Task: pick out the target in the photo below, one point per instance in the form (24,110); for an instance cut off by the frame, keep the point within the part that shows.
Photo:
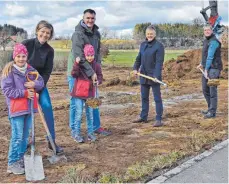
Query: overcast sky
(115,15)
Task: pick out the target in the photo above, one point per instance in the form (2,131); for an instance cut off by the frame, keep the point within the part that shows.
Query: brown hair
(7,69)
(44,23)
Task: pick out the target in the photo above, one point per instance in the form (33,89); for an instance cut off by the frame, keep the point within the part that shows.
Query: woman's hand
(30,85)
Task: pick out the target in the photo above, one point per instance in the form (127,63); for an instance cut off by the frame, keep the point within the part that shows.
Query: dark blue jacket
(150,60)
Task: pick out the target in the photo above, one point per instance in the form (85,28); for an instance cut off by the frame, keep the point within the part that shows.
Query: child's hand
(29,93)
(30,85)
(96,83)
(78,60)
(37,94)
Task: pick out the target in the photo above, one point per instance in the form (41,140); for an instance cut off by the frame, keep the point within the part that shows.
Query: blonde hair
(7,69)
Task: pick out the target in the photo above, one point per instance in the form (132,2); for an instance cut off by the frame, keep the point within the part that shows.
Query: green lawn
(127,57)
(115,57)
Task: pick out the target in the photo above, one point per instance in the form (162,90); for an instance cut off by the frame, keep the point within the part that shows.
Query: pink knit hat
(89,50)
(19,49)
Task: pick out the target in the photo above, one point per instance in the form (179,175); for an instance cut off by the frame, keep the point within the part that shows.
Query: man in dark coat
(150,61)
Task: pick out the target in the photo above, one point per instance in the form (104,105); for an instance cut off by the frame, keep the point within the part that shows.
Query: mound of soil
(184,67)
(113,82)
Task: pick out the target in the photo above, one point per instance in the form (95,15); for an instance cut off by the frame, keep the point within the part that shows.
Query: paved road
(212,169)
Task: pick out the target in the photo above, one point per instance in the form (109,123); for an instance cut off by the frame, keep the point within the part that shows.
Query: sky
(119,16)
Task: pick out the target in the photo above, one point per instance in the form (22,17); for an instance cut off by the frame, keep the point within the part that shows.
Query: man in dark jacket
(212,65)
(86,32)
(150,61)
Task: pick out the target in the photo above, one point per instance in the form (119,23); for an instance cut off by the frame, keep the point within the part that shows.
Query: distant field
(127,57)
(115,57)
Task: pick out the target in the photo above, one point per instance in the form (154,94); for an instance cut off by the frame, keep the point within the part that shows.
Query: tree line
(7,30)
(11,30)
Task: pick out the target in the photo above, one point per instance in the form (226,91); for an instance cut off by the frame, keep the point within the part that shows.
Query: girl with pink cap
(14,80)
(82,90)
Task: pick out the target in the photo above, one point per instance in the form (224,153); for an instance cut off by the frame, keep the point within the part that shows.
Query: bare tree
(126,36)
(4,39)
(198,22)
(66,41)
(105,33)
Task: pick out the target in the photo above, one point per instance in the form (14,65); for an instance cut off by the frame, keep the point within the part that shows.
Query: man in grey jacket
(86,32)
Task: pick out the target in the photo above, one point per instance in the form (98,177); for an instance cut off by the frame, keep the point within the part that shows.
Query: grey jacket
(83,35)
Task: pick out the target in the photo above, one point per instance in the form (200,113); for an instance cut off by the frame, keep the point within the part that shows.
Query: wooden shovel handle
(32,73)
(46,129)
(151,78)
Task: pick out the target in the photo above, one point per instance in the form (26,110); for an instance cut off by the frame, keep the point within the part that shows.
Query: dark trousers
(210,92)
(145,89)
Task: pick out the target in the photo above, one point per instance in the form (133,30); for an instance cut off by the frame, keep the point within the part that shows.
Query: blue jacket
(150,60)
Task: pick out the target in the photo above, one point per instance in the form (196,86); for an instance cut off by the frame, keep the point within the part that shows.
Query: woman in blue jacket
(149,62)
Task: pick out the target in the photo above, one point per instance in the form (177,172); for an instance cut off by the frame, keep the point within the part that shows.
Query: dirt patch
(185,129)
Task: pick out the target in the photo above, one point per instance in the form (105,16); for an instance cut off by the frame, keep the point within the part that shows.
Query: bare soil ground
(185,129)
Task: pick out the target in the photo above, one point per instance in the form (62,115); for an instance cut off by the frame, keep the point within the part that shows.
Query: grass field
(127,57)
(115,57)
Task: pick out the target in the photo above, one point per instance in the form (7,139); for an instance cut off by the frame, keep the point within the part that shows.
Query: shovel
(34,170)
(54,158)
(94,102)
(151,78)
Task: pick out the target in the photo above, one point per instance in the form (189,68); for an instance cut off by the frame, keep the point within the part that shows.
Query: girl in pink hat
(84,89)
(17,97)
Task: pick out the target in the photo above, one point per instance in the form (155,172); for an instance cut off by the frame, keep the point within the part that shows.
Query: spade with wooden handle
(151,78)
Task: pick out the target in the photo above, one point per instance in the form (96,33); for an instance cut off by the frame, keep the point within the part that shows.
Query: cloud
(124,32)
(15,10)
(119,16)
(66,27)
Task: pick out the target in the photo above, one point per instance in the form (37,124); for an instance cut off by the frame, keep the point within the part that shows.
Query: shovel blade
(34,170)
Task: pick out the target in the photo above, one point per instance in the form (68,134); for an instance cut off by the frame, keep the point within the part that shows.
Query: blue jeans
(46,106)
(72,108)
(20,127)
(75,127)
(145,88)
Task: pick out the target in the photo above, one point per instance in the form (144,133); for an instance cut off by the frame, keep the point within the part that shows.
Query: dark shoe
(209,115)
(59,150)
(158,123)
(139,121)
(103,132)
(204,112)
